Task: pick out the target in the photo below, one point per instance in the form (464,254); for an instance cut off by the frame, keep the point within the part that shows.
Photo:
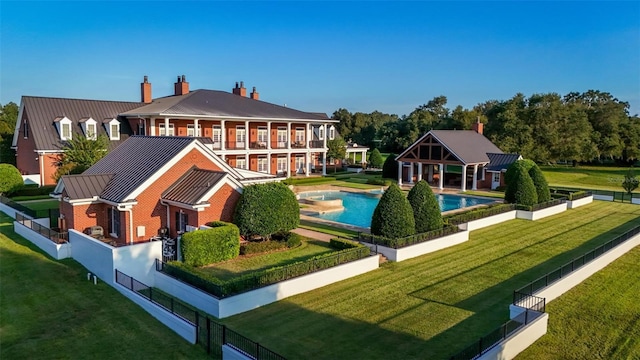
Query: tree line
(546,128)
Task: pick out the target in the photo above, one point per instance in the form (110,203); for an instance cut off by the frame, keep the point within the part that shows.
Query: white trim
(16,131)
(111,123)
(215,117)
(197,207)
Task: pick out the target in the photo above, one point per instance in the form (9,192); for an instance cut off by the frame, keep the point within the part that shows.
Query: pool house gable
(429,150)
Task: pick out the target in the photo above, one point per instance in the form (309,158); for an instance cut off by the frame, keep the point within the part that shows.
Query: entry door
(495,180)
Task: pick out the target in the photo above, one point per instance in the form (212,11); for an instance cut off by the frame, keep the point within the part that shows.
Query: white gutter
(130,211)
(218,117)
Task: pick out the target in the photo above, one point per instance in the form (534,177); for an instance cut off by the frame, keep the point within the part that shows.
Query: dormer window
(321,133)
(332,132)
(64,127)
(89,126)
(113,128)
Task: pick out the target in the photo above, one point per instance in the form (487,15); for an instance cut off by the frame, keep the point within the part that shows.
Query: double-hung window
(163,132)
(262,135)
(114,222)
(191,132)
(182,220)
(282,137)
(241,136)
(66,131)
(241,163)
(262,164)
(217,137)
(299,136)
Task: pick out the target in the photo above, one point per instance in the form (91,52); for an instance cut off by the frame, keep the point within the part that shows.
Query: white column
(195,128)
(364,157)
(223,135)
(308,164)
(399,173)
(152,131)
(289,165)
(247,134)
(308,137)
(430,173)
(269,163)
(441,176)
(474,184)
(269,136)
(166,127)
(419,171)
(288,135)
(324,136)
(464,178)
(324,163)
(411,173)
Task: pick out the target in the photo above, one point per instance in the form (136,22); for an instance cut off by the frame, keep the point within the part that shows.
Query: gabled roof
(215,103)
(85,186)
(43,111)
(467,146)
(193,186)
(500,162)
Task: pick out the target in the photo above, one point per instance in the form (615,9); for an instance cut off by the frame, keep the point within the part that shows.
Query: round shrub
(393,217)
(539,181)
(265,209)
(10,179)
(375,159)
(390,167)
(526,164)
(426,211)
(520,189)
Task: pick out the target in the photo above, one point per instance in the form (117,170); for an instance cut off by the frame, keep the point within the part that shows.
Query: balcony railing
(258,145)
(234,145)
(316,144)
(298,145)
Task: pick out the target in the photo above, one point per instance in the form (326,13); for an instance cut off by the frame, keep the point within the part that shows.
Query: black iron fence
(575,194)
(55,236)
(209,333)
(52,214)
(397,243)
(575,264)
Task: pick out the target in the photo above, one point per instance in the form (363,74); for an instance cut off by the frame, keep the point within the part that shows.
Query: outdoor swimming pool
(358,208)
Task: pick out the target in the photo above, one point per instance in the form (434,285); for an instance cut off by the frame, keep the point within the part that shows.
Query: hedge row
(543,205)
(398,243)
(251,281)
(203,247)
(342,244)
(309,180)
(381,182)
(34,190)
(289,240)
(480,213)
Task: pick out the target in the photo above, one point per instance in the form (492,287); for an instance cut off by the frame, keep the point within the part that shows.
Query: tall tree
(630,182)
(336,149)
(426,211)
(79,153)
(8,118)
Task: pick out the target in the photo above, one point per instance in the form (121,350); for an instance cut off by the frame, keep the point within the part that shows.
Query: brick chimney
(478,126)
(181,86)
(145,91)
(254,94)
(240,90)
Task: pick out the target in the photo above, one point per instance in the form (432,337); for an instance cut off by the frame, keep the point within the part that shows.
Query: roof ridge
(64,98)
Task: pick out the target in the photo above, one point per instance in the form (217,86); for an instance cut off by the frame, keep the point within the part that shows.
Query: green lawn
(433,306)
(50,311)
(587,177)
(598,319)
(244,264)
(44,204)
(327,229)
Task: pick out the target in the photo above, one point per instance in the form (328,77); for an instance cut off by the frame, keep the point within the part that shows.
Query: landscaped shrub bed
(543,205)
(34,190)
(202,247)
(579,195)
(398,243)
(251,281)
(381,182)
(342,244)
(572,194)
(310,180)
(277,242)
(480,213)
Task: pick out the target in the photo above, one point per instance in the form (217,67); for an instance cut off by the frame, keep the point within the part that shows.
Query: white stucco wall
(11,212)
(138,260)
(580,202)
(423,248)
(56,251)
(635,200)
(94,255)
(187,293)
(542,213)
(518,341)
(229,353)
(488,221)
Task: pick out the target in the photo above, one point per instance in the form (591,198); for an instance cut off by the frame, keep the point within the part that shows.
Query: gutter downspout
(168,213)
(130,211)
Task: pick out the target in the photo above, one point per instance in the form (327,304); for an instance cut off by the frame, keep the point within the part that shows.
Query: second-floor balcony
(316,144)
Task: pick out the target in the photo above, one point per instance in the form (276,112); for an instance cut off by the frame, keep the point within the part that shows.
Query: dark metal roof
(85,186)
(193,185)
(134,161)
(42,112)
(220,104)
(468,146)
(499,162)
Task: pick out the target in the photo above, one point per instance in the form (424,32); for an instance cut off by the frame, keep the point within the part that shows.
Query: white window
(262,164)
(164,133)
(496,177)
(321,133)
(299,136)
(191,127)
(241,163)
(114,222)
(217,137)
(282,164)
(332,133)
(114,134)
(91,131)
(241,136)
(262,135)
(66,131)
(300,163)
(282,137)
(182,220)
(64,127)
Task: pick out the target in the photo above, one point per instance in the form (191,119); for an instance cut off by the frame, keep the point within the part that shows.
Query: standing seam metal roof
(469,146)
(85,186)
(501,162)
(193,185)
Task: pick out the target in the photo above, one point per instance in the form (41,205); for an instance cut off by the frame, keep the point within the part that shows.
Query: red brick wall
(26,157)
(49,168)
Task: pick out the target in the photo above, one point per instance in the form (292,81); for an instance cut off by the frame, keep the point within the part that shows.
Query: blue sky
(321,56)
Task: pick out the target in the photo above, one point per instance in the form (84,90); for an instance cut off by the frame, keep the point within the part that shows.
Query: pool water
(358,208)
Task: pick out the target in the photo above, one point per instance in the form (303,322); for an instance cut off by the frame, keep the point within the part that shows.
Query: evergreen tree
(393,217)
(375,159)
(539,181)
(630,182)
(266,209)
(390,167)
(520,189)
(426,211)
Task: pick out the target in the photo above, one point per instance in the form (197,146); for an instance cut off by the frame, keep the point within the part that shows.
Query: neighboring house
(247,133)
(455,157)
(151,182)
(45,124)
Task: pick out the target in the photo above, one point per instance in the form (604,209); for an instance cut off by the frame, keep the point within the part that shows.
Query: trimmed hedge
(397,243)
(480,213)
(426,210)
(540,183)
(265,209)
(342,244)
(258,279)
(203,247)
(511,172)
(34,190)
(381,182)
(277,242)
(393,216)
(309,180)
(375,159)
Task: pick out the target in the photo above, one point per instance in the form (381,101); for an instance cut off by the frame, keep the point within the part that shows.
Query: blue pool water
(358,208)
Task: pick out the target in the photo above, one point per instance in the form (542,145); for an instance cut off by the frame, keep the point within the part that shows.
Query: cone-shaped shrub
(390,167)
(512,170)
(520,189)
(542,188)
(426,211)
(375,159)
(265,209)
(393,217)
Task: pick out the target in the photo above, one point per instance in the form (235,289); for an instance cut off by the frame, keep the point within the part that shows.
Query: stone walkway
(313,234)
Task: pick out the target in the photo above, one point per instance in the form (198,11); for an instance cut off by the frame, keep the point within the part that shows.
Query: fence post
(131,282)
(526,316)
(224,334)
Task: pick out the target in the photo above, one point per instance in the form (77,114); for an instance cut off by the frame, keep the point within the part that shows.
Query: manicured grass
(45,204)
(587,177)
(327,229)
(244,264)
(487,193)
(354,185)
(31,197)
(50,311)
(598,319)
(432,306)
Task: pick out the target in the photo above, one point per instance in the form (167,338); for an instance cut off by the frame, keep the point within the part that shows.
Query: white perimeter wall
(139,260)
(635,201)
(56,251)
(542,213)
(518,341)
(256,298)
(488,221)
(575,203)
(95,255)
(9,210)
(229,353)
(422,248)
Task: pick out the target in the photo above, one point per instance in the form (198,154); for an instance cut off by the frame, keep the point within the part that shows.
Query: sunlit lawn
(588,177)
(43,204)
(50,311)
(598,319)
(243,264)
(327,229)
(433,306)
